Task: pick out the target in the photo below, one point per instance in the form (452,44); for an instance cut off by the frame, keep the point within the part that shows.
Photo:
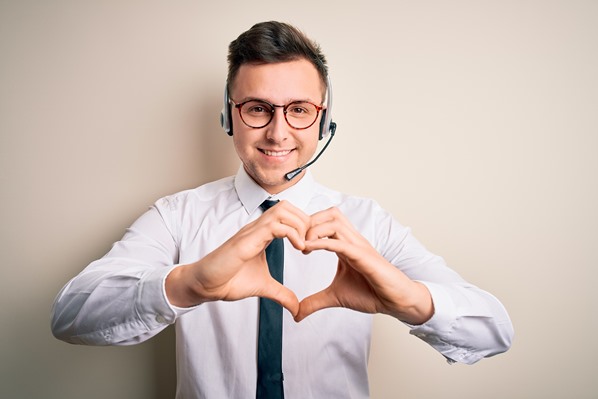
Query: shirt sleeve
(468,323)
(120,298)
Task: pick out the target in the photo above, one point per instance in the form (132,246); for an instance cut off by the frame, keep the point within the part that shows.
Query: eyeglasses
(259,113)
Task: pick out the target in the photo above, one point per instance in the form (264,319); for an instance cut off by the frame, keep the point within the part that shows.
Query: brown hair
(272,42)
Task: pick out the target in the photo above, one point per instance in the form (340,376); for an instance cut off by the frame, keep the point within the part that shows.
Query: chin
(270,179)
(272,182)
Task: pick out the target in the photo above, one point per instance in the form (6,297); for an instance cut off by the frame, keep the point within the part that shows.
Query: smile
(276,153)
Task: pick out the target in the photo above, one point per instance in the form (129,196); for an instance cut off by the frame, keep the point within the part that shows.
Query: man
(201,258)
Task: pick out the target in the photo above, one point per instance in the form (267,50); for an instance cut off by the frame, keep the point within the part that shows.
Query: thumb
(313,303)
(283,296)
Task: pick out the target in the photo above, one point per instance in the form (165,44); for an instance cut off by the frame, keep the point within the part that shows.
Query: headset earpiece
(323,123)
(327,126)
(226,120)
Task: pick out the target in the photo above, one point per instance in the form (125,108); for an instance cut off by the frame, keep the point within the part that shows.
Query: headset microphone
(289,176)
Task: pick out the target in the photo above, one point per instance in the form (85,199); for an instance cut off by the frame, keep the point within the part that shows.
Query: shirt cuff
(438,330)
(153,306)
(445,312)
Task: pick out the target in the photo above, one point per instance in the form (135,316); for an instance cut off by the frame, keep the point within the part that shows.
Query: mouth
(279,153)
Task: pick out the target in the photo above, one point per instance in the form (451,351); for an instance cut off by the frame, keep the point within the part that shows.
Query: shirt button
(160,319)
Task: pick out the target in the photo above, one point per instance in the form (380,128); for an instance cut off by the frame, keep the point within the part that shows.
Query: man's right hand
(238,268)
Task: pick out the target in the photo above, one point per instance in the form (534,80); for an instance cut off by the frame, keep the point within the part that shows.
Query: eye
(301,109)
(257,108)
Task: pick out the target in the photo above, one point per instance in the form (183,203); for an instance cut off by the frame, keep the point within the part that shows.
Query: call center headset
(327,126)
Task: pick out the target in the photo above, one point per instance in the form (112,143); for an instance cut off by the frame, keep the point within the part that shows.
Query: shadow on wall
(216,148)
(218,160)
(163,346)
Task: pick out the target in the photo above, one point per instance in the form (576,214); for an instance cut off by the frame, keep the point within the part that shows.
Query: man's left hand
(364,280)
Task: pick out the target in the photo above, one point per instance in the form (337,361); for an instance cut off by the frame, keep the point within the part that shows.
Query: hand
(238,268)
(364,280)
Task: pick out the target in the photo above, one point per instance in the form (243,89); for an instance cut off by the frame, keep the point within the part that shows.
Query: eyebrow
(300,100)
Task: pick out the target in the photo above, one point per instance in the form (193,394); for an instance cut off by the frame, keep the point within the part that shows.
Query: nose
(278,129)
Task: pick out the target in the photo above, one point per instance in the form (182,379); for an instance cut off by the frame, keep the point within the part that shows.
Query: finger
(327,244)
(279,230)
(326,215)
(283,215)
(313,303)
(305,219)
(326,230)
(329,223)
(357,248)
(289,214)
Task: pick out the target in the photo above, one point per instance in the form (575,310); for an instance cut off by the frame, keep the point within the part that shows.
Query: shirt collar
(252,195)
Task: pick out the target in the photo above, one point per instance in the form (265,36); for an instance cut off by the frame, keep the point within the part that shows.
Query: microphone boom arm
(289,176)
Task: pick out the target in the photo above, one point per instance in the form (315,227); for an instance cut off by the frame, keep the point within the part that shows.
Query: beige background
(474,122)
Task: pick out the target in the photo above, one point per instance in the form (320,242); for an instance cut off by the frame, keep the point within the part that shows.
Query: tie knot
(267,204)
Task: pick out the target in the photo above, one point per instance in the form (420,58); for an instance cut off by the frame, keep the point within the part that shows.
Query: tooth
(276,153)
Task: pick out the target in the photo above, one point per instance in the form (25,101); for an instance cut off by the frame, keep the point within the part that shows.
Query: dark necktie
(269,347)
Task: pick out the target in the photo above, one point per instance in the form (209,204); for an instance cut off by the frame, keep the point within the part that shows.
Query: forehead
(278,82)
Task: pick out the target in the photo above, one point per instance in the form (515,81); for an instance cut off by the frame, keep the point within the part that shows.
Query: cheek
(240,144)
(310,141)
(313,147)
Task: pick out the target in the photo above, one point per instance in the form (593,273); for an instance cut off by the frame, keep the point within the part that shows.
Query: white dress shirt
(120,298)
